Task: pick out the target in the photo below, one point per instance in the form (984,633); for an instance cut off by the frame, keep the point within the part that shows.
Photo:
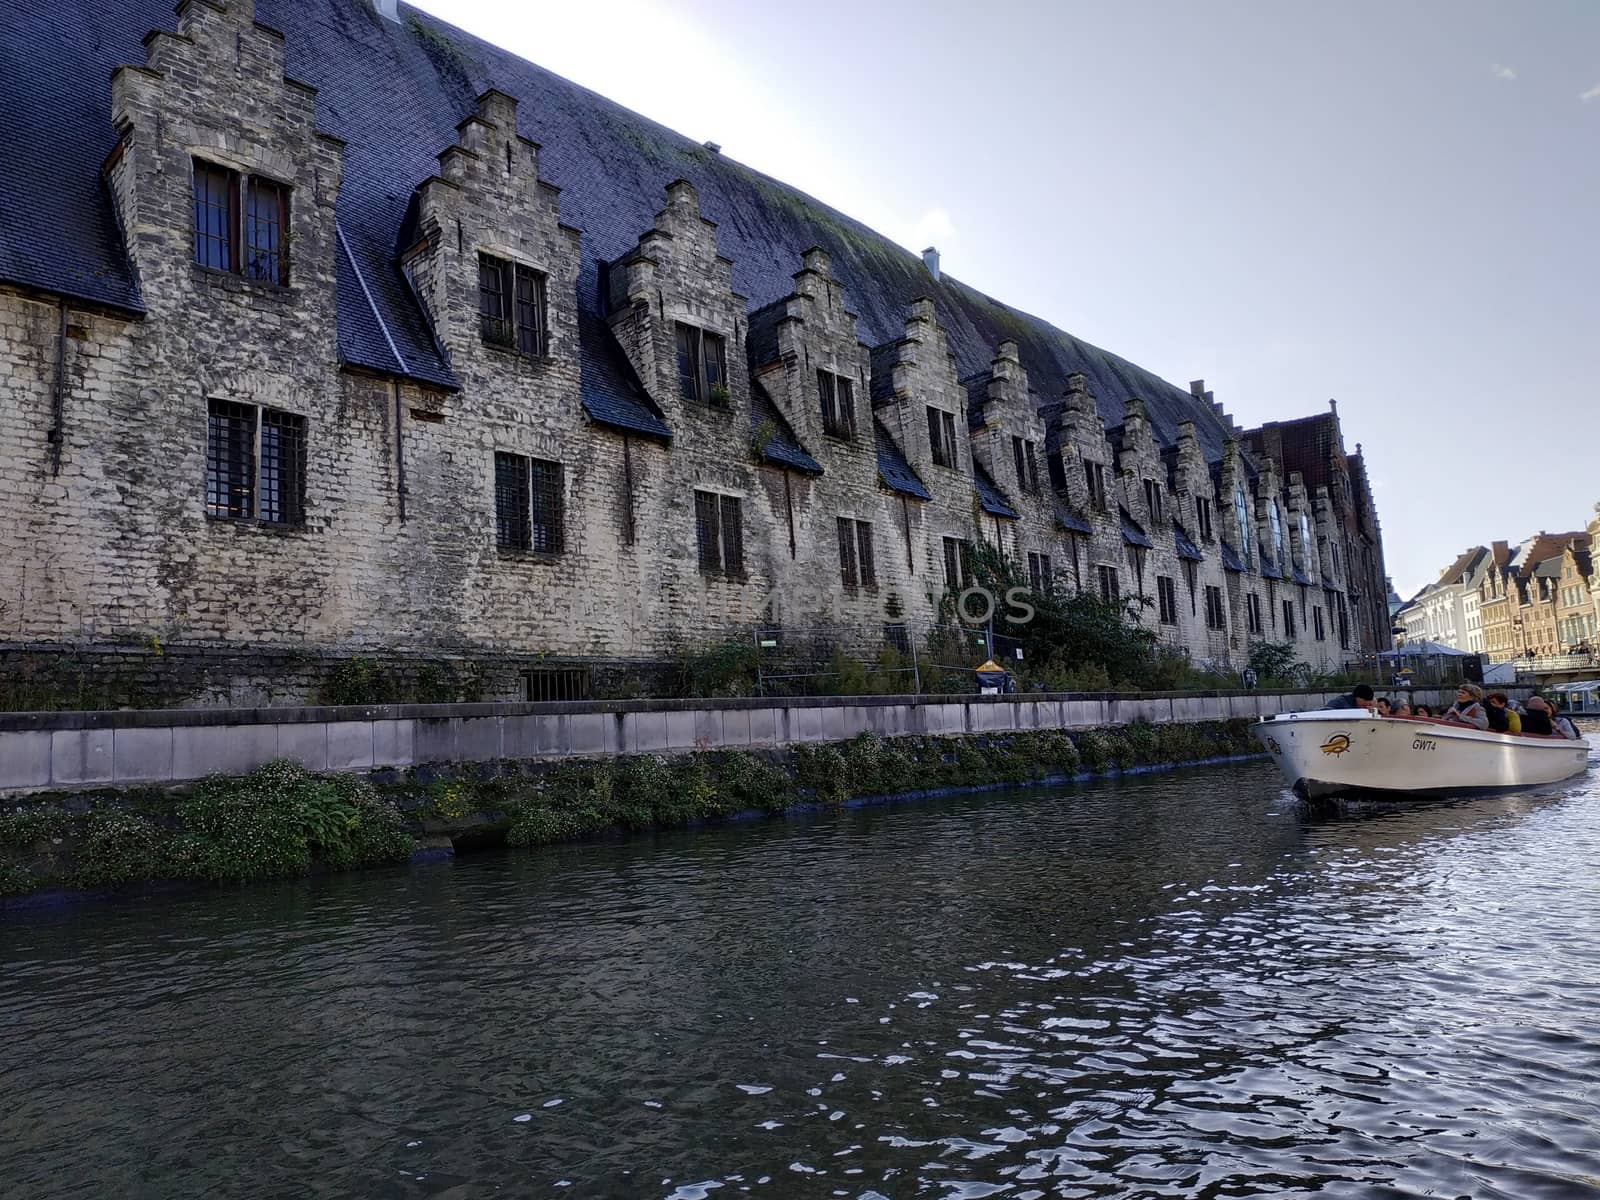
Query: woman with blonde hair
(1468,708)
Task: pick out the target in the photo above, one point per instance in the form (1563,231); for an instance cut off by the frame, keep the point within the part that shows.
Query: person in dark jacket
(1536,718)
(1359,696)
(1502,717)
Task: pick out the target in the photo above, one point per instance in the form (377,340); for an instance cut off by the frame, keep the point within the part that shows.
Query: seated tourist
(1401,709)
(1536,717)
(1383,706)
(1468,708)
(1359,696)
(1502,717)
(1424,710)
(1561,724)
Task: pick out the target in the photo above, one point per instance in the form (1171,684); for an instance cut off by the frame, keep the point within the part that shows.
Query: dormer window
(1094,478)
(511,306)
(240,238)
(1202,517)
(1025,453)
(702,366)
(1241,511)
(1152,498)
(837,395)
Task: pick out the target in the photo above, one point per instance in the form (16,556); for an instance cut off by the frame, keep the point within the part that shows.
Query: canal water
(1171,985)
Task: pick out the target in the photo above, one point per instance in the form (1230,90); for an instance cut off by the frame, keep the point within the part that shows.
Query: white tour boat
(1330,751)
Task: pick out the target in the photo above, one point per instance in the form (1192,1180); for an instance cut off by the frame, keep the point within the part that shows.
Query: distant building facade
(295,373)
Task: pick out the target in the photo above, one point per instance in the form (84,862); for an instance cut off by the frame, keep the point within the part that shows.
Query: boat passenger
(1536,717)
(1502,717)
(1401,709)
(1383,706)
(1561,724)
(1359,696)
(1468,708)
(1424,711)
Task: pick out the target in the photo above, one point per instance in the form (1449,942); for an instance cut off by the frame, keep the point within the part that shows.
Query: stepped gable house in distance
(328,330)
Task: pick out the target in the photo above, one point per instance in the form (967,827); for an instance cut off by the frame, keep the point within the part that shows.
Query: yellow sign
(1339,743)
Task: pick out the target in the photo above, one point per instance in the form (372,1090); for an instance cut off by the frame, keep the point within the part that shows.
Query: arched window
(1241,508)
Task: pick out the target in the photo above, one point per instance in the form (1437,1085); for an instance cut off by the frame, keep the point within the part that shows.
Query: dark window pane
(548,533)
(512,530)
(283,467)
(869,565)
(846,406)
(716,364)
(689,362)
(825,395)
(952,565)
(494,301)
(214,216)
(1022,470)
(530,311)
(707,531)
(732,537)
(230,459)
(266,210)
(847,551)
(934,434)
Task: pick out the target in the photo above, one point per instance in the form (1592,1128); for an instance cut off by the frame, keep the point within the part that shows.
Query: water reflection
(1170,986)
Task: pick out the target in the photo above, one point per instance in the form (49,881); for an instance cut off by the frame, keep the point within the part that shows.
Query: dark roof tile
(990,496)
(893,468)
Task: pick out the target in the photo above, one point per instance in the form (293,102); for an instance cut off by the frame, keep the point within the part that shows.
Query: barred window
(1167,599)
(218,216)
(857,563)
(942,437)
(511,306)
(266,219)
(548,499)
(1316,615)
(1039,576)
(1216,614)
(1110,589)
(1094,478)
(1288,618)
(838,404)
(512,528)
(255,464)
(719,534)
(1027,464)
(955,564)
(702,365)
(1253,612)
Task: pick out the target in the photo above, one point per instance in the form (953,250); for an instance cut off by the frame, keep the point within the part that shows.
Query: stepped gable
(394,92)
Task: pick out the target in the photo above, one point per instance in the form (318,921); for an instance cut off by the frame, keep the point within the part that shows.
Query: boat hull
(1332,752)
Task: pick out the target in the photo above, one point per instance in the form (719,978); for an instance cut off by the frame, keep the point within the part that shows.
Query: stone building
(326,329)
(1520,596)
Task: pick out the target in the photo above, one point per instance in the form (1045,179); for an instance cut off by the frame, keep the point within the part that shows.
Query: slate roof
(1230,557)
(1185,544)
(1300,577)
(990,496)
(1269,568)
(1071,521)
(1131,533)
(610,390)
(893,468)
(394,93)
(781,448)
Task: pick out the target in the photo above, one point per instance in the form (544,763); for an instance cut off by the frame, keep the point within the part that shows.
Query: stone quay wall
(60,751)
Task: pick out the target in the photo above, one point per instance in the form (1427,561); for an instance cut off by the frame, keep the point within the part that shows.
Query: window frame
(522,324)
(241,220)
(1024,455)
(248,467)
(1094,477)
(942,438)
(1216,609)
(1110,585)
(955,561)
(836,394)
(1153,501)
(1202,518)
(702,373)
(1040,573)
(719,534)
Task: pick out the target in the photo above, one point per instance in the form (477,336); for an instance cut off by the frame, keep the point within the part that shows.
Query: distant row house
(291,373)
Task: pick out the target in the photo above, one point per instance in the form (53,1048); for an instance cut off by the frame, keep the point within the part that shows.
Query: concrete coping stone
(162,718)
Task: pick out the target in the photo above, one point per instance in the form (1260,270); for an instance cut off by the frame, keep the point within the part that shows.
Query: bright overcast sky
(1392,204)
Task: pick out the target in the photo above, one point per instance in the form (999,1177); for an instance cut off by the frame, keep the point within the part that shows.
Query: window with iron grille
(511,306)
(1110,589)
(702,365)
(1288,618)
(1136,562)
(955,564)
(1202,516)
(838,404)
(1039,576)
(847,552)
(1216,614)
(942,437)
(248,238)
(1152,498)
(548,497)
(1316,615)
(1252,608)
(1191,575)
(557,683)
(1023,452)
(1094,478)
(255,464)
(512,528)
(1167,599)
(719,534)
(865,556)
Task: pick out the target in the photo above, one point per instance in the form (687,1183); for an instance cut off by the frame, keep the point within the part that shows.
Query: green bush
(121,847)
(24,828)
(15,880)
(821,771)
(746,781)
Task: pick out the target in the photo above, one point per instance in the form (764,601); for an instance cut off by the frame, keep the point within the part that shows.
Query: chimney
(389,10)
(714,147)
(930,259)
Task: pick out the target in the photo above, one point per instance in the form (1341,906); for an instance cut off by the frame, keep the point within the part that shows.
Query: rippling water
(1178,985)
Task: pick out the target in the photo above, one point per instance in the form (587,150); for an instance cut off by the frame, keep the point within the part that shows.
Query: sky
(1394,205)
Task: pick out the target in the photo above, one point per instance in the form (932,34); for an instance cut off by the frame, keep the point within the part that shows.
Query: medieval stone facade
(613,458)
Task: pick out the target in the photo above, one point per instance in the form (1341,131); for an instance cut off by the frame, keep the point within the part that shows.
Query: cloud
(1592,94)
(1502,72)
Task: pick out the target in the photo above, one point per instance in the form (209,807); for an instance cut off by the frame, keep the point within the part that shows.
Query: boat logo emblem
(1339,743)
(1272,744)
